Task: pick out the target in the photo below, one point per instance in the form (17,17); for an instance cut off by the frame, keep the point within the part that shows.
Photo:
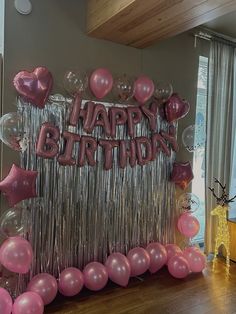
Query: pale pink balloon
(172,249)
(118,268)
(71,281)
(45,285)
(143,89)
(95,276)
(196,259)
(16,255)
(5,302)
(101,82)
(178,267)
(28,303)
(188,225)
(139,260)
(158,256)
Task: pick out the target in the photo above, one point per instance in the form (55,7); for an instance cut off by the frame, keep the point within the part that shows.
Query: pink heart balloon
(101,82)
(35,86)
(143,89)
(16,255)
(176,108)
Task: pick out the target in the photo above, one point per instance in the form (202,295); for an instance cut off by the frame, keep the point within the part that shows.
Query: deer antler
(231,200)
(224,198)
(221,185)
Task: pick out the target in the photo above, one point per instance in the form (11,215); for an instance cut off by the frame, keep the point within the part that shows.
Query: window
(198,184)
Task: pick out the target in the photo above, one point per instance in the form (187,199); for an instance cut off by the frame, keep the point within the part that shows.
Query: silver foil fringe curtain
(84,214)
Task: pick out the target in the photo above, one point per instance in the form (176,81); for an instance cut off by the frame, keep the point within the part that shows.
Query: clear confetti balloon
(163,91)
(12,132)
(14,222)
(188,202)
(194,137)
(75,82)
(123,88)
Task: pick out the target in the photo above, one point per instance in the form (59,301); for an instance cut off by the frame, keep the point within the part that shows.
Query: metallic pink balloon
(95,276)
(139,260)
(176,108)
(16,255)
(45,285)
(71,281)
(158,256)
(5,302)
(28,303)
(188,225)
(101,82)
(178,267)
(18,185)
(172,249)
(182,174)
(118,268)
(35,86)
(143,89)
(196,259)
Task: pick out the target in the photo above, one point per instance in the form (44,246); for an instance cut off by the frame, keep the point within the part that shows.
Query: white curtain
(220,128)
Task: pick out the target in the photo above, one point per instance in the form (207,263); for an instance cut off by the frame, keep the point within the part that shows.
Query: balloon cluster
(16,256)
(188,225)
(101,83)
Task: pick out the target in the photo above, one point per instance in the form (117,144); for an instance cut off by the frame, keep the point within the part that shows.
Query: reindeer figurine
(222,234)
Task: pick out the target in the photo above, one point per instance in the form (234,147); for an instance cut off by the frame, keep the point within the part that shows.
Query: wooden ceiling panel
(139,23)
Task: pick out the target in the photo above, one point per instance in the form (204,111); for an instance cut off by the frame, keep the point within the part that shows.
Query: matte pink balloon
(188,225)
(45,285)
(71,281)
(139,260)
(19,184)
(158,256)
(178,267)
(28,303)
(5,302)
(172,249)
(35,86)
(143,89)
(95,276)
(101,82)
(16,255)
(176,108)
(196,259)
(118,268)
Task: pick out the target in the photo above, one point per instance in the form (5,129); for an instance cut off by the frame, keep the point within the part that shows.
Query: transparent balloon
(123,88)
(188,202)
(75,82)
(12,131)
(14,222)
(163,91)
(194,137)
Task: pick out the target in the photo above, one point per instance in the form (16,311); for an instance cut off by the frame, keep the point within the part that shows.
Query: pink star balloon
(19,185)
(182,174)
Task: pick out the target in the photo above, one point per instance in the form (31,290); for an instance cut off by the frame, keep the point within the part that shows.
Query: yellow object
(222,233)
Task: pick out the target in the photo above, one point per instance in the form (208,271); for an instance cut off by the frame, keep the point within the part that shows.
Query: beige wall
(53,35)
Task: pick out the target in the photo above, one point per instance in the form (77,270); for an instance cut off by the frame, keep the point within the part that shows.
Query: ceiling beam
(140,23)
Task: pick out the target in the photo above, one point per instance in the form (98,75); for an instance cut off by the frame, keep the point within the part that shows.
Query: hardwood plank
(139,23)
(210,293)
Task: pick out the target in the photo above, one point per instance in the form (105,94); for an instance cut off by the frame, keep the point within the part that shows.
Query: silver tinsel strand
(83,214)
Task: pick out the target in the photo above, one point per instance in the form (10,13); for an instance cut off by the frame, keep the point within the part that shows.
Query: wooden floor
(207,293)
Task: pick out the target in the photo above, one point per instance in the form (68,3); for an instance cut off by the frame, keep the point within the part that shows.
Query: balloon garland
(16,253)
